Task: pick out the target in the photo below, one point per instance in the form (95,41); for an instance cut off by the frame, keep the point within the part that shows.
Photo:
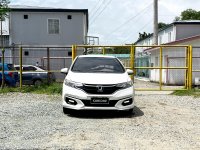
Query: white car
(95,82)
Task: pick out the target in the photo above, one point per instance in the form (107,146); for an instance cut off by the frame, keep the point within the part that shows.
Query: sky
(118,22)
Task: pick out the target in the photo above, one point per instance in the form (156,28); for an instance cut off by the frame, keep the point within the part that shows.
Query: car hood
(98,78)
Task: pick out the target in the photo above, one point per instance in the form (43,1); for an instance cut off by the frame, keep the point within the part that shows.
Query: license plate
(99,101)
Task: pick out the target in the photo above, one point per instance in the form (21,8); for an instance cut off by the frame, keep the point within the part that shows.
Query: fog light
(127,102)
(70,101)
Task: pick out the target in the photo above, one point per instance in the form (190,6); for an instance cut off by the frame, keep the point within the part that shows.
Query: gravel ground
(31,121)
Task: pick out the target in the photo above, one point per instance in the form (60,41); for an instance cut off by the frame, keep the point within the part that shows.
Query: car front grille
(100,89)
(110,104)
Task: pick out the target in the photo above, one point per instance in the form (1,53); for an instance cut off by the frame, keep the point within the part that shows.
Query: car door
(28,74)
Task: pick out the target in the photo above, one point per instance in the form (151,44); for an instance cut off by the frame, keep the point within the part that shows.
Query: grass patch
(53,88)
(193,92)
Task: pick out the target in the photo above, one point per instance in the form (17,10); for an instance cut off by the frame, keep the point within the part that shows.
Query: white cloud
(118,12)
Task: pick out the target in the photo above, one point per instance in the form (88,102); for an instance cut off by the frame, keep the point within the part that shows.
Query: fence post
(190,70)
(3,76)
(132,53)
(104,51)
(48,66)
(161,66)
(20,67)
(186,65)
(73,52)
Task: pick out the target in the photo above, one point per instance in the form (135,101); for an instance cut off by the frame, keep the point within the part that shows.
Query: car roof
(24,65)
(100,56)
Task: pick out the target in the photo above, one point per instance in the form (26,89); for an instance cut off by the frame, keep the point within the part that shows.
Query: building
(43,27)
(177,33)
(47,26)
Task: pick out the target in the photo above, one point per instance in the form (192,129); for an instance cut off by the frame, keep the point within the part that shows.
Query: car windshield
(11,67)
(97,65)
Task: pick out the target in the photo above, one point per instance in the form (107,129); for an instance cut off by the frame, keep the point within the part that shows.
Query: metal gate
(170,65)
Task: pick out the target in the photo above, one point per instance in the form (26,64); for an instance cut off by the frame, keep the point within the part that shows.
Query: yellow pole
(104,50)
(132,61)
(20,67)
(190,73)
(161,65)
(73,52)
(186,65)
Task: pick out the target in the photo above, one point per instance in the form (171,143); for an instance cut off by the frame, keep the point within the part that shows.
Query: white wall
(175,57)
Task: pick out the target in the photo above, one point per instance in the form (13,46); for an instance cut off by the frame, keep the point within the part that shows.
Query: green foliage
(4,9)
(143,35)
(193,92)
(118,50)
(189,14)
(53,88)
(162,25)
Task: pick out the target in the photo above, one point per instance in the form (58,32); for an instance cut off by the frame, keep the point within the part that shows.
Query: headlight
(73,84)
(125,84)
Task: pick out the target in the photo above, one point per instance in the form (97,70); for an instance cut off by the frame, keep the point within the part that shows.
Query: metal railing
(187,67)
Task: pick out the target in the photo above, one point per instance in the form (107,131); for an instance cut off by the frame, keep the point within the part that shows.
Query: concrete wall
(34,30)
(184,31)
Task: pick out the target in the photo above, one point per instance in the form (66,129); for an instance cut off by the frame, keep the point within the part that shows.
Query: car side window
(32,69)
(17,68)
(11,67)
(29,68)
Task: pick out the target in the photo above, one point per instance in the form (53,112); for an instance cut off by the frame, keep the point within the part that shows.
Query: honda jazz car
(95,82)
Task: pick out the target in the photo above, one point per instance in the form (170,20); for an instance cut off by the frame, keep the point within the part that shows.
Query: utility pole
(155,26)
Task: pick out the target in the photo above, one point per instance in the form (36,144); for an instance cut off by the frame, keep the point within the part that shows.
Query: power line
(130,19)
(98,8)
(150,20)
(96,4)
(130,29)
(105,6)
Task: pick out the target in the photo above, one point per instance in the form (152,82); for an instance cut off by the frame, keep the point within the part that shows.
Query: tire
(37,83)
(67,110)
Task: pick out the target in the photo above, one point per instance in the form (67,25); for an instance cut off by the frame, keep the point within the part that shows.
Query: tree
(189,14)
(162,25)
(3,14)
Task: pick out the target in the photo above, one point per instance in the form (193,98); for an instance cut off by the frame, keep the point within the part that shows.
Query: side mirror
(64,70)
(129,71)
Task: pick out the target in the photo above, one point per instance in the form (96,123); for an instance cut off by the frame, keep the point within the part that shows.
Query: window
(69,53)
(10,67)
(25,16)
(169,37)
(29,68)
(69,16)
(17,68)
(26,53)
(156,61)
(97,65)
(53,26)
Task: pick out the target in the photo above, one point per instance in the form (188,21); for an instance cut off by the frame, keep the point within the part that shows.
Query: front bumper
(82,99)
